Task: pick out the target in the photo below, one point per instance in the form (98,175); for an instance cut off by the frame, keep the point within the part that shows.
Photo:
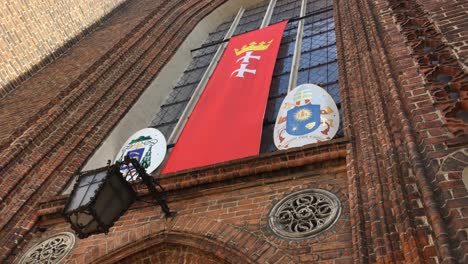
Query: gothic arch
(217,240)
(172,253)
(197,246)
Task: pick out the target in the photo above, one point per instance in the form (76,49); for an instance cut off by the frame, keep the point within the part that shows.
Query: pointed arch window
(317,64)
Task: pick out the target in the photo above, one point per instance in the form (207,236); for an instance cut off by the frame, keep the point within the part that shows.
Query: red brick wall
(432,80)
(172,253)
(69,108)
(449,16)
(405,146)
(224,220)
(404,121)
(34,33)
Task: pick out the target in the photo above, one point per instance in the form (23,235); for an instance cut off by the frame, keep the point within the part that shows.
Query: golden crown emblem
(253,46)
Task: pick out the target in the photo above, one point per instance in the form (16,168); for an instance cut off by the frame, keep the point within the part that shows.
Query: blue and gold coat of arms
(307,115)
(303,119)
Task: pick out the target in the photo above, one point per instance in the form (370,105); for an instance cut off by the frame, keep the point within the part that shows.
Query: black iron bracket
(152,184)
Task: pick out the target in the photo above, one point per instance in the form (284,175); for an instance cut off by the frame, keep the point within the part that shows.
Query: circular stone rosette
(50,251)
(304,214)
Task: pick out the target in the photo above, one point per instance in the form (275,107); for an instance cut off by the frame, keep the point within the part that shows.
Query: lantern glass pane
(93,178)
(87,186)
(76,198)
(90,193)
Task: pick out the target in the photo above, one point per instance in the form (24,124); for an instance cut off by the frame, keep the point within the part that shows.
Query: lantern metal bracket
(151,183)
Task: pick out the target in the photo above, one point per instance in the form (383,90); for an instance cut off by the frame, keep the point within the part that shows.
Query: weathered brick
(56,26)
(397,173)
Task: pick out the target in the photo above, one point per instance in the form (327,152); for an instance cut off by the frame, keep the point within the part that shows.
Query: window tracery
(304,214)
(51,250)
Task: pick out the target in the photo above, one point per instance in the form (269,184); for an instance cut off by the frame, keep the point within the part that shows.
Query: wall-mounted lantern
(100,197)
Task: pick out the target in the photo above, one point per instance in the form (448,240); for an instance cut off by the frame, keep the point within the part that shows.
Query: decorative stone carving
(445,78)
(305,213)
(51,250)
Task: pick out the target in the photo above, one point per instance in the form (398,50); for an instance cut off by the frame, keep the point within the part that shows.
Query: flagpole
(297,49)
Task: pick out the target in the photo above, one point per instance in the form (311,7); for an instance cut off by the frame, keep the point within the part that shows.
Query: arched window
(318,61)
(317,64)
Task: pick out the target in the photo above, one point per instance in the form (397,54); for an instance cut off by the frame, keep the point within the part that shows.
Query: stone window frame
(170,118)
(132,122)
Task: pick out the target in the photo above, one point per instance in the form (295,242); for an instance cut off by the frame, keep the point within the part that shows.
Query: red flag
(226,123)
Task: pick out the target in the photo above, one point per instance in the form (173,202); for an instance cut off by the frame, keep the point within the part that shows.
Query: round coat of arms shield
(307,115)
(148,146)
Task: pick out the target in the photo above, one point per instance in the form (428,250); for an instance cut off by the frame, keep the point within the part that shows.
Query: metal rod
(290,20)
(151,184)
(268,13)
(210,45)
(297,49)
(318,12)
(204,80)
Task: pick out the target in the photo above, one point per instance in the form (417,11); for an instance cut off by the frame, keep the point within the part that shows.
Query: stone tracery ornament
(304,214)
(51,250)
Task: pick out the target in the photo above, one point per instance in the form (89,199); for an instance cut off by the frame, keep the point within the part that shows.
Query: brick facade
(397,171)
(218,210)
(34,33)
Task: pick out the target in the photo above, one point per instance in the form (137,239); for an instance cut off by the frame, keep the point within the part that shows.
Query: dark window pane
(258,10)
(285,10)
(181,93)
(169,113)
(166,130)
(251,20)
(267,144)
(200,62)
(319,40)
(279,85)
(303,77)
(332,53)
(314,5)
(290,34)
(272,109)
(319,23)
(208,50)
(214,37)
(318,75)
(283,65)
(286,49)
(331,36)
(313,58)
(225,26)
(191,77)
(332,72)
(219,33)
(334,90)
